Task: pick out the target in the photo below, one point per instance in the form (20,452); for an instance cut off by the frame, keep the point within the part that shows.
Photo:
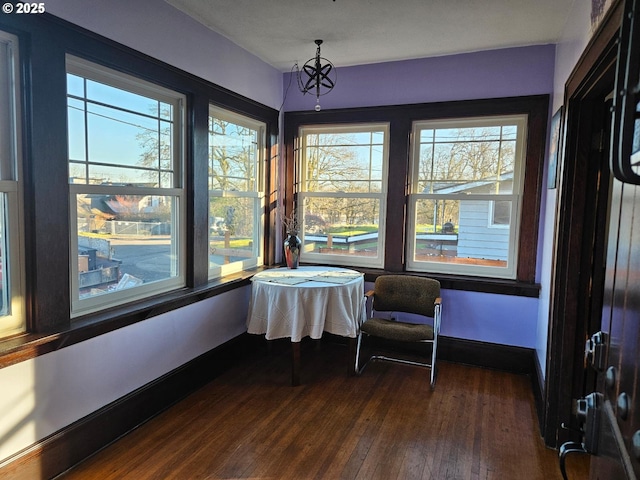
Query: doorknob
(588,413)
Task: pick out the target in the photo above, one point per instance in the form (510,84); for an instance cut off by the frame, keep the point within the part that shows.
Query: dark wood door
(618,413)
(618,383)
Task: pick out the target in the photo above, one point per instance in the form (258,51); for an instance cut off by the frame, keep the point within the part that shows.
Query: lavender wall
(489,74)
(501,319)
(157,29)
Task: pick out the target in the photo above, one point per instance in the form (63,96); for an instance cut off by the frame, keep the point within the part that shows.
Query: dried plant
(291,224)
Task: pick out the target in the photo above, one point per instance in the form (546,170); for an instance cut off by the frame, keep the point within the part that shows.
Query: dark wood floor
(386,424)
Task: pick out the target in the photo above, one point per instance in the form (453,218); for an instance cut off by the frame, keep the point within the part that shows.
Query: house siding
(476,238)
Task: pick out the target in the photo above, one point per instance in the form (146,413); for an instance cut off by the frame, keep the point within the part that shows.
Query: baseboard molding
(537,385)
(78,441)
(488,355)
(68,447)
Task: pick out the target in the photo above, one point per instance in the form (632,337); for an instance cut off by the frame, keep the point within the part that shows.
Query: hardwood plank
(385,424)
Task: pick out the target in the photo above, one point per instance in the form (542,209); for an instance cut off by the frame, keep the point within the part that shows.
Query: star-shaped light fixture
(316,77)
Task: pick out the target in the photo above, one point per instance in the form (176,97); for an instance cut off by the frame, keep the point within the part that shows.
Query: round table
(307,301)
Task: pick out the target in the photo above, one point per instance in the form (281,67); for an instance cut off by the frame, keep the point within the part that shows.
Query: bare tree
(330,165)
(232,156)
(232,164)
(471,155)
(333,165)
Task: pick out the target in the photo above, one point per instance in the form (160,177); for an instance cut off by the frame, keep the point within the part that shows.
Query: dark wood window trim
(400,119)
(44,42)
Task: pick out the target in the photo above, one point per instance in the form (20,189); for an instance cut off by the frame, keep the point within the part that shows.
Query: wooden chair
(393,297)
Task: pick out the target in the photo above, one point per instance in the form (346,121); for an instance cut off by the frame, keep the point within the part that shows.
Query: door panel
(620,418)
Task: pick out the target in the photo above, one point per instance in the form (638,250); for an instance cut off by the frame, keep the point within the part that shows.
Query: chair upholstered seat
(399,331)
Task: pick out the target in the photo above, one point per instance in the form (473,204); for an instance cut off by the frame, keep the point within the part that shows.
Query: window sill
(21,347)
(467,283)
(458,282)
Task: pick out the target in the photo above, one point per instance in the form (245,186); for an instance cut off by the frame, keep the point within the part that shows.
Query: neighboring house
(482,225)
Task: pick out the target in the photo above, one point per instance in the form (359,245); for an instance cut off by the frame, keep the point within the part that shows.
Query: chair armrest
(369,294)
(437,301)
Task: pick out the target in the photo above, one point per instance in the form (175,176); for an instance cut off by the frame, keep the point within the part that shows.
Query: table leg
(351,365)
(295,363)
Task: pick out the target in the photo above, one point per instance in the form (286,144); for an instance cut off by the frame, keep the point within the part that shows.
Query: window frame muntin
(301,194)
(509,272)
(258,194)
(106,75)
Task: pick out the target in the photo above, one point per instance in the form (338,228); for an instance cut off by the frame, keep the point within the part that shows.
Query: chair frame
(437,314)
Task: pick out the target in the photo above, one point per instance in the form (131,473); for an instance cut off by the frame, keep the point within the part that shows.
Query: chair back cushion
(406,293)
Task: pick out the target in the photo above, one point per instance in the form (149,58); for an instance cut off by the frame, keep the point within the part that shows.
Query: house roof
(446,187)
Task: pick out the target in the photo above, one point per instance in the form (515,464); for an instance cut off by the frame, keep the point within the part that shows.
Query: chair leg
(357,362)
(432,367)
(433,376)
(434,348)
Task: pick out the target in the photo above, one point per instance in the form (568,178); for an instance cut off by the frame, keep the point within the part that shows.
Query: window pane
(341,226)
(125,159)
(124,241)
(8,105)
(5,289)
(76,130)
(465,196)
(344,162)
(477,160)
(12,318)
(461,232)
(342,199)
(122,99)
(232,230)
(233,156)
(235,198)
(75,85)
(116,136)
(501,213)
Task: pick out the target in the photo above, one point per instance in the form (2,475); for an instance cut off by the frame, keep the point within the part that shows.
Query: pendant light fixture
(317,77)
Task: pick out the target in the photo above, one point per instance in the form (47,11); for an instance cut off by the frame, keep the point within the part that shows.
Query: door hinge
(595,351)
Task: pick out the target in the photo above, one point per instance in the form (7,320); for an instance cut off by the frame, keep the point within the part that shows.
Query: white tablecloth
(295,303)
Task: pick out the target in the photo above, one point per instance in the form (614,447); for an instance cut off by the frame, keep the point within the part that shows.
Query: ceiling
(282,32)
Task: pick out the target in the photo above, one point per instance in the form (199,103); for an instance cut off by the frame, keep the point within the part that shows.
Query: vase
(292,246)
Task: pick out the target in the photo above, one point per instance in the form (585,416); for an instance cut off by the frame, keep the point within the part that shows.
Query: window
(465,200)
(342,193)
(236,192)
(500,214)
(125,144)
(11,266)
